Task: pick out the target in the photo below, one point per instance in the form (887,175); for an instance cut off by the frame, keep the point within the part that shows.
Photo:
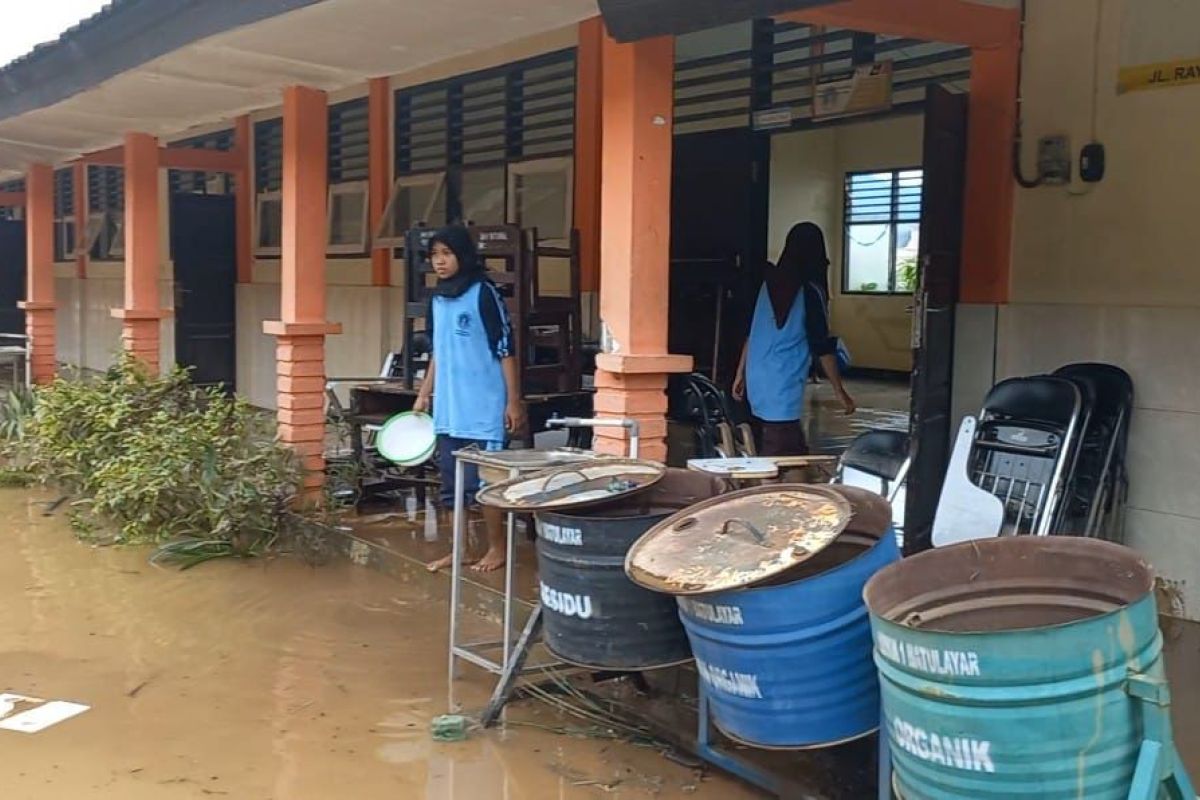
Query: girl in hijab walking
(789,330)
(471,380)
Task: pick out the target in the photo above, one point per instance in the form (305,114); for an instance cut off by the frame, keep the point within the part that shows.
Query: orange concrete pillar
(988,199)
(379,165)
(243,198)
(79,172)
(143,313)
(635,241)
(589,93)
(300,352)
(39,248)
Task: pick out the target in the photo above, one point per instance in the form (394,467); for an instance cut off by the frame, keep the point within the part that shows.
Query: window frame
(361,188)
(259,248)
(92,231)
(542,166)
(892,222)
(435,178)
(116,239)
(62,253)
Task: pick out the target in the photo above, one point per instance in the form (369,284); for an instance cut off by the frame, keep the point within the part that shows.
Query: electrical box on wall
(1092,161)
(1054,160)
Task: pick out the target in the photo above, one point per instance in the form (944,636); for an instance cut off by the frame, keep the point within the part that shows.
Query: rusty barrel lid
(739,539)
(574,485)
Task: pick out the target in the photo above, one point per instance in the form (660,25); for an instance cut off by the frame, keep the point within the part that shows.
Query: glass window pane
(346,214)
(909,195)
(483,196)
(870,197)
(908,245)
(541,202)
(868,258)
(270,222)
(421,203)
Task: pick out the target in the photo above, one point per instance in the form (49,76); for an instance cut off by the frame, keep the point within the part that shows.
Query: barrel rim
(878,583)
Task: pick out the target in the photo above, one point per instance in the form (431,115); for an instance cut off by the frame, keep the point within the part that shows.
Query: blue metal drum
(789,665)
(1012,668)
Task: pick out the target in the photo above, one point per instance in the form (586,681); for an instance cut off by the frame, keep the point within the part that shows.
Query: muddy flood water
(267,680)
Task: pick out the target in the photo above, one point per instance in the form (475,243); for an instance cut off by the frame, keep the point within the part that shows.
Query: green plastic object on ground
(449,728)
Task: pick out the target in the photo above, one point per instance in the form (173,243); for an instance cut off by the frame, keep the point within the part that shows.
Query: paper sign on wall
(867,91)
(1160,45)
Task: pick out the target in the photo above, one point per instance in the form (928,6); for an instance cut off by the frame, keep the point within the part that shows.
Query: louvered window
(64,214)
(883,231)
(106,213)
(349,155)
(457,140)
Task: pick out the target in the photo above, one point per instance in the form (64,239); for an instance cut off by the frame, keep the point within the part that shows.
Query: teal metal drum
(1010,668)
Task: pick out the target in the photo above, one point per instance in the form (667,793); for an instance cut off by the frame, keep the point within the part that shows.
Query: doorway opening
(12,276)
(885,187)
(203,236)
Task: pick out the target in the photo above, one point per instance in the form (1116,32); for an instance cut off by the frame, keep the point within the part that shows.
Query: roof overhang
(137,66)
(631,20)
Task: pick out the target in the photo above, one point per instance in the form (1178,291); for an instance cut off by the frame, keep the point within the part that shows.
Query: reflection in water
(263,680)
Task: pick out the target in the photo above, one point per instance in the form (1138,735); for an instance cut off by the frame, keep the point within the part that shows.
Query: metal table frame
(511,666)
(473,652)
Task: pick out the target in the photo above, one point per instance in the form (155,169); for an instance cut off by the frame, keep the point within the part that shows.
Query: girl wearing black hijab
(789,330)
(478,399)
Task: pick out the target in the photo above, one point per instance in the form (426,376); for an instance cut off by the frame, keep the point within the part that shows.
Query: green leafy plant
(163,462)
(906,274)
(16,408)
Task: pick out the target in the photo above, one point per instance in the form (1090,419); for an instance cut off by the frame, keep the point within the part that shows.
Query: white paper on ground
(44,716)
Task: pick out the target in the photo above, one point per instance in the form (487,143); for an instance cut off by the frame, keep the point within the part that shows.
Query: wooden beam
(12,199)
(141,317)
(243,197)
(379,149)
(635,239)
(79,178)
(39,301)
(305,196)
(949,21)
(112,157)
(589,110)
(199,159)
(989,194)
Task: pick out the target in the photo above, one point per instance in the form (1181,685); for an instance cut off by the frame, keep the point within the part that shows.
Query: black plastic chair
(885,456)
(1025,445)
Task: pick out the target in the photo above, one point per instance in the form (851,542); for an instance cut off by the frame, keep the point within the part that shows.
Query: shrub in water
(164,460)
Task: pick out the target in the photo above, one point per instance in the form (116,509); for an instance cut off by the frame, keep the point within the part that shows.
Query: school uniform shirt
(778,360)
(471,333)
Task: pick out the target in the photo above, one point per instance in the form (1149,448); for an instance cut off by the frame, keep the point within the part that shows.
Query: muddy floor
(264,680)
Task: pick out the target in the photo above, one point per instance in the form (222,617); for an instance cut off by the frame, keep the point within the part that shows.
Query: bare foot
(444,562)
(491,561)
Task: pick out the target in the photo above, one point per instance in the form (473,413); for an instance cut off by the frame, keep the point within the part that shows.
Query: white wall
(808,170)
(1108,272)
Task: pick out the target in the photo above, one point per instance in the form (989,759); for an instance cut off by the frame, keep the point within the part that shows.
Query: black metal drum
(594,616)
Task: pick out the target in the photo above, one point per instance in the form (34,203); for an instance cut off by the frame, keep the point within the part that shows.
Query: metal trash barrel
(1008,665)
(594,616)
(784,650)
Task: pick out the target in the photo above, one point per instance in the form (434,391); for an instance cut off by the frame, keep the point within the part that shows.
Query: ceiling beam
(949,21)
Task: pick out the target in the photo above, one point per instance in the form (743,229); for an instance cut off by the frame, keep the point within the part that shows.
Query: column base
(141,334)
(42,331)
(634,387)
(300,388)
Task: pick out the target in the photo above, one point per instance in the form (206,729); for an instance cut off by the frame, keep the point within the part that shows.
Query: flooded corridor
(266,680)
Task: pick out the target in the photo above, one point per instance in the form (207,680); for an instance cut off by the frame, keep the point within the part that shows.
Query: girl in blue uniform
(789,330)
(477,399)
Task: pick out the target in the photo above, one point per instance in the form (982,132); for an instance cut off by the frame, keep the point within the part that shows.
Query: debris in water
(449,728)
